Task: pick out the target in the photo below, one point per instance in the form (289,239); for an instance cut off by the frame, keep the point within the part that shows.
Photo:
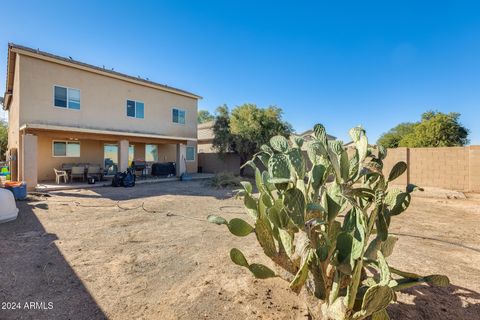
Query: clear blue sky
(375,63)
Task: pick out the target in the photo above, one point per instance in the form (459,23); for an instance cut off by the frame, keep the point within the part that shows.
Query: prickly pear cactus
(326,225)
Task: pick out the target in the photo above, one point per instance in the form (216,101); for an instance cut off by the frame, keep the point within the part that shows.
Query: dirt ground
(79,255)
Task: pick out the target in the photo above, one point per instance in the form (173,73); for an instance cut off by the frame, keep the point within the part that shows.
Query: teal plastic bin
(19,190)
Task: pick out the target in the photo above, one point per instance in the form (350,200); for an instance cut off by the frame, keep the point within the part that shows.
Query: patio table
(85,172)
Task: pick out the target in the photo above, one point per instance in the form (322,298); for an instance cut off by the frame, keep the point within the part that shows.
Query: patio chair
(95,171)
(77,172)
(60,174)
(67,166)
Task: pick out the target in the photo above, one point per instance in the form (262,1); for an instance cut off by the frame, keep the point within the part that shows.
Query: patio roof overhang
(101,134)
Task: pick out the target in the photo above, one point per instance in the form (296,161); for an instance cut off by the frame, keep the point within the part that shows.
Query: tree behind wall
(246,128)
(3,139)
(392,138)
(436,129)
(204,116)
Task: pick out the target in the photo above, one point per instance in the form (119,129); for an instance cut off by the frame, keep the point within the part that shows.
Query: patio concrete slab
(52,186)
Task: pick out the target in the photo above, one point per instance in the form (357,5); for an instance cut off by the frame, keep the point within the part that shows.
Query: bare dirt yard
(80,254)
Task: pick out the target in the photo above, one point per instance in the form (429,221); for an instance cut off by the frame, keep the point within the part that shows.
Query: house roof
(205,132)
(15,48)
(308,133)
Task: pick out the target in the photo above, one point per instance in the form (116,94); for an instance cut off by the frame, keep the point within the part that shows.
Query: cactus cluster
(323,219)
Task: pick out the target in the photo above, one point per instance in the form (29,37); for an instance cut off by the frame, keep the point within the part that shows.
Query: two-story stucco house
(65,111)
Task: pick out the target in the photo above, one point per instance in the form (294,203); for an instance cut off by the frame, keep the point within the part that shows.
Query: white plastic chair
(60,174)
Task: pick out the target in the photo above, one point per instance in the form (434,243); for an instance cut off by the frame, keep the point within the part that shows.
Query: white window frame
(179,109)
(66,143)
(194,157)
(67,107)
(135,101)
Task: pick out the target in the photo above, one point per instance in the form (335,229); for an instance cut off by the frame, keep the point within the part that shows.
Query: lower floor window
(66,149)
(190,153)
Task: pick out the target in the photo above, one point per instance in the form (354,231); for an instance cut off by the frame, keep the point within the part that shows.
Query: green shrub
(326,229)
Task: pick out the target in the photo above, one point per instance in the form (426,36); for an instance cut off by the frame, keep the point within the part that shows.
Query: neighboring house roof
(205,132)
(307,135)
(15,48)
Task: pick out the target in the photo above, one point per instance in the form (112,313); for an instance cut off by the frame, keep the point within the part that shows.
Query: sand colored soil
(151,255)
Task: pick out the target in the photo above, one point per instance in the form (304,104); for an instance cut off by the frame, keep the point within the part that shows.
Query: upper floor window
(66,98)
(178,116)
(135,109)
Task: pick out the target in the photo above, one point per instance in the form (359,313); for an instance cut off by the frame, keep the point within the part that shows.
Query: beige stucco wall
(13,121)
(102,100)
(170,152)
(103,106)
(91,151)
(29,159)
(167,153)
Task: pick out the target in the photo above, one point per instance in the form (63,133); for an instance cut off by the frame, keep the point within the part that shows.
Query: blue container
(19,192)
(4,173)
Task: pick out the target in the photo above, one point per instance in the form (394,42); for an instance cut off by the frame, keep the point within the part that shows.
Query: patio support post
(29,160)
(123,155)
(180,159)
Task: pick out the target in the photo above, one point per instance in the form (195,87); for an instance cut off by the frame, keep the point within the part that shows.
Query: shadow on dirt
(33,270)
(144,191)
(437,303)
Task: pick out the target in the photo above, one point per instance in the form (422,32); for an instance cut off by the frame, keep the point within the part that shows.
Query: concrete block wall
(474,168)
(455,168)
(213,163)
(394,156)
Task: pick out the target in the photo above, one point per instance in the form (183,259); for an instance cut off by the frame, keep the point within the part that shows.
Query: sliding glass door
(110,156)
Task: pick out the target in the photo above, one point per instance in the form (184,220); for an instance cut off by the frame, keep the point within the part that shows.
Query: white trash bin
(8,207)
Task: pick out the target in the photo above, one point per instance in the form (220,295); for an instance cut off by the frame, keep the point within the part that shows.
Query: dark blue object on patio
(19,189)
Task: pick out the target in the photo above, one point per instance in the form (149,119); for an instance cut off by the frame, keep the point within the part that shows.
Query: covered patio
(52,186)
(48,147)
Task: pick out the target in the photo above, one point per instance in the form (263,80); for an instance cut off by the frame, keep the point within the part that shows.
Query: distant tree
(204,116)
(435,129)
(3,139)
(392,138)
(223,139)
(246,128)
